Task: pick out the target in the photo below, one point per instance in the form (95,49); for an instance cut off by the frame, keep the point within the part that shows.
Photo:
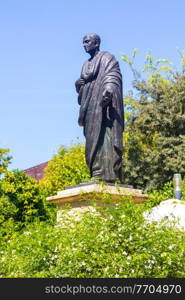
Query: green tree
(66,168)
(155,133)
(4,160)
(20,198)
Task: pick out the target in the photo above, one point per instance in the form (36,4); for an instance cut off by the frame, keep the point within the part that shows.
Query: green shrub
(21,198)
(29,251)
(113,242)
(66,168)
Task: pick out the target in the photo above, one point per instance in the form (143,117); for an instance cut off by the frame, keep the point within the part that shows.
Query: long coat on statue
(103,127)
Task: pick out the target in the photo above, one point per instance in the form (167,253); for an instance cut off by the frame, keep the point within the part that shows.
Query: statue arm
(112,79)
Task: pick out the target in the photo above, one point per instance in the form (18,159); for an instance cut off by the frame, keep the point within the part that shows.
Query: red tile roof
(37,171)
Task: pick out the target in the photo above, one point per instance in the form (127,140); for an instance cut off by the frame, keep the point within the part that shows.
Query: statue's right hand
(80,122)
(80,82)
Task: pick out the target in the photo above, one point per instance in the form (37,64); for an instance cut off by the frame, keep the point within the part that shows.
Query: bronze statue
(101,111)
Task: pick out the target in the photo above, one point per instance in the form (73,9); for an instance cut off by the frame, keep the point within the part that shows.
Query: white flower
(82,264)
(149,267)
(54,257)
(27,232)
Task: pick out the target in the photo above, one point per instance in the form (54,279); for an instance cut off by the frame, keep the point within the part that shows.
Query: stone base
(80,197)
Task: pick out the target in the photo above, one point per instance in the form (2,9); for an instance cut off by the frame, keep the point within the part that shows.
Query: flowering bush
(113,242)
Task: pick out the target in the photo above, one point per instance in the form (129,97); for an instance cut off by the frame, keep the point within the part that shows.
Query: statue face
(90,43)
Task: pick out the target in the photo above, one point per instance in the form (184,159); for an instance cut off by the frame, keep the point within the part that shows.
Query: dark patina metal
(101,114)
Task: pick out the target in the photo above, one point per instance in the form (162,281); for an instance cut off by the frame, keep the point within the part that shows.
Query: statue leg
(104,158)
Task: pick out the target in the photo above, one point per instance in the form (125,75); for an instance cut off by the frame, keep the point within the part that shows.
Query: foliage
(4,160)
(113,242)
(66,168)
(154,139)
(31,249)
(20,198)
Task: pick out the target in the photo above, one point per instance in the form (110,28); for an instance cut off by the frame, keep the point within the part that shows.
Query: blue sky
(41,56)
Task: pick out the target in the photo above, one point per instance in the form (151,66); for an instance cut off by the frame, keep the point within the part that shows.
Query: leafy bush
(28,252)
(66,168)
(20,198)
(21,202)
(113,242)
(4,160)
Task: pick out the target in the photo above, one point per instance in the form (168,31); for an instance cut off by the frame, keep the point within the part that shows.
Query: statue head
(91,42)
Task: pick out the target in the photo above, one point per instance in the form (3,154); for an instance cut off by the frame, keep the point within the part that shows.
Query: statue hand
(79,83)
(80,122)
(107,97)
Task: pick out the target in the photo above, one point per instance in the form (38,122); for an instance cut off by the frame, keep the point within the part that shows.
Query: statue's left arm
(112,79)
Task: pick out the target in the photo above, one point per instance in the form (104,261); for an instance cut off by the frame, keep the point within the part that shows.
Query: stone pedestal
(82,196)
